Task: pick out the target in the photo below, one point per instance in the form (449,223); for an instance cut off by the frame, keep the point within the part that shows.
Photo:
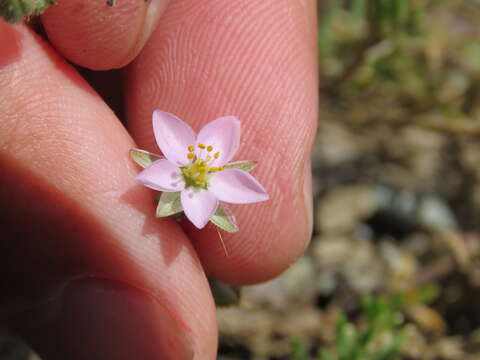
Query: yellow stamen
(197,172)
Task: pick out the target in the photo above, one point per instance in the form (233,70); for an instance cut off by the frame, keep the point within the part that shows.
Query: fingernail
(9,43)
(99,319)
(155,9)
(308,197)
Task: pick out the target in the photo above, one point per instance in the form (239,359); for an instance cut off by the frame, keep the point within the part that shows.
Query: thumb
(87,272)
(101,35)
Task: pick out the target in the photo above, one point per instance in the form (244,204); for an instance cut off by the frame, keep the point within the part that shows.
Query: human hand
(88,272)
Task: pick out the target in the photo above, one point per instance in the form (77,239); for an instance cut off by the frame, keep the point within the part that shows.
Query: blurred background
(393,268)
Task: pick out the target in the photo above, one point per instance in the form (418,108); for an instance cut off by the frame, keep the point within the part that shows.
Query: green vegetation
(379,334)
(419,59)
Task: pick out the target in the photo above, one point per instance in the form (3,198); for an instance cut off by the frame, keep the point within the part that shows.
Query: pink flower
(198,168)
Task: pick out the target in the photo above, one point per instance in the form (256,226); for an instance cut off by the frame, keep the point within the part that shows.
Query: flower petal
(237,187)
(199,205)
(162,175)
(224,135)
(173,136)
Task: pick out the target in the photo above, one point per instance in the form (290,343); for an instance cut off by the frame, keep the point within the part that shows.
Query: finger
(87,271)
(255,60)
(104,34)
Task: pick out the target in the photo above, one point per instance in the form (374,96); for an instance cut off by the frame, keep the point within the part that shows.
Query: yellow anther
(196,173)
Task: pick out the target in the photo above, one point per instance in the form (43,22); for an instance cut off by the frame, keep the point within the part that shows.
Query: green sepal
(143,158)
(169,204)
(224,294)
(15,11)
(224,219)
(245,165)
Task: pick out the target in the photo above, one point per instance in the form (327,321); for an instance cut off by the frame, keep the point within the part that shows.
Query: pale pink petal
(173,136)
(162,175)
(199,205)
(224,135)
(237,187)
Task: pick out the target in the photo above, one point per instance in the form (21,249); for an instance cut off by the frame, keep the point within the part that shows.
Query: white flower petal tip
(199,206)
(196,174)
(162,175)
(237,187)
(173,136)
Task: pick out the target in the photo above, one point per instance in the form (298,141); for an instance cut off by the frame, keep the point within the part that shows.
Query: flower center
(197,172)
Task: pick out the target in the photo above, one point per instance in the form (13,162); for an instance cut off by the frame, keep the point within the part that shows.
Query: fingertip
(268,78)
(259,252)
(71,208)
(9,43)
(101,35)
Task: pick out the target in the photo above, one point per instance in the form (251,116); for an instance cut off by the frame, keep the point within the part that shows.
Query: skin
(88,272)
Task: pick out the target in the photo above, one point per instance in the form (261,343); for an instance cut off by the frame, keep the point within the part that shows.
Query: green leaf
(326,24)
(428,293)
(245,165)
(15,11)
(224,294)
(300,350)
(326,355)
(169,204)
(358,10)
(144,158)
(345,338)
(400,338)
(224,219)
